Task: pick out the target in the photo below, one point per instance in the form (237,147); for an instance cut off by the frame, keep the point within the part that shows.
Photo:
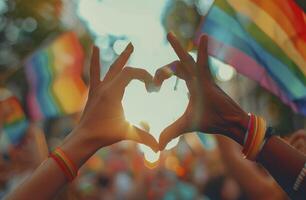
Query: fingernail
(129,47)
(172,33)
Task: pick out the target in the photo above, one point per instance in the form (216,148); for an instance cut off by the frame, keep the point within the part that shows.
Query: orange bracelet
(66,165)
(253,141)
(250,133)
(254,150)
(250,139)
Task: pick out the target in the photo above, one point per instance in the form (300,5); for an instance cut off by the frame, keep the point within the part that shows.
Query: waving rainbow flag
(14,122)
(264,40)
(54,76)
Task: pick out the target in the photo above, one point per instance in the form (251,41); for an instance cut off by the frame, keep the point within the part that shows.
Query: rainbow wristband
(254,150)
(66,165)
(255,137)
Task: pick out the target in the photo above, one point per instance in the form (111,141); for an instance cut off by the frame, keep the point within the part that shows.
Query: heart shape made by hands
(156,109)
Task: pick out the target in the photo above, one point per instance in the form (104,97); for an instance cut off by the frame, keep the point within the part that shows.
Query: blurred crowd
(118,172)
(194,169)
(191,170)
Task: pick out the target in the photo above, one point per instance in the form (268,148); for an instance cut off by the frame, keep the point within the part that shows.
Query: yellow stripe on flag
(268,25)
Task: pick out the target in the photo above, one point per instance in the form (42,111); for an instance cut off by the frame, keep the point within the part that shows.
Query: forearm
(44,183)
(254,184)
(281,160)
(284,163)
(48,178)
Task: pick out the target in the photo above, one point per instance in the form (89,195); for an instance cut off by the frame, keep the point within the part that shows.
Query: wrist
(79,146)
(239,127)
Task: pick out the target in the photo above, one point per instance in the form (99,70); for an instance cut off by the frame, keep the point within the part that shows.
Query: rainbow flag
(14,121)
(264,40)
(54,76)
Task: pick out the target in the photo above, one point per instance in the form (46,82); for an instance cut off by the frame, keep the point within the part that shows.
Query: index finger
(179,50)
(94,78)
(119,63)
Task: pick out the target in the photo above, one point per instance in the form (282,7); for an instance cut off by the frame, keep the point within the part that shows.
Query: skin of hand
(209,110)
(102,122)
(298,140)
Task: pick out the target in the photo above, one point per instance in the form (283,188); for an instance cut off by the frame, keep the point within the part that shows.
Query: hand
(209,110)
(103,122)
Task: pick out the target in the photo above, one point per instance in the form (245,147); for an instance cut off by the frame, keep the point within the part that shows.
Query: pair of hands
(209,110)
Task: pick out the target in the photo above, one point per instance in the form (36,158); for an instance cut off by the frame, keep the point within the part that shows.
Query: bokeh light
(224,72)
(29,24)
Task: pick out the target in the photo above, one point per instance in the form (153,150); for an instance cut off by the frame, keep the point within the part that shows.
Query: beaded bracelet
(300,178)
(66,165)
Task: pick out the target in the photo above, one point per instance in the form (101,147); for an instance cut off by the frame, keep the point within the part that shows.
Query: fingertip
(162,142)
(130,47)
(203,41)
(152,87)
(157,79)
(203,37)
(155,148)
(95,56)
(162,146)
(171,35)
(95,49)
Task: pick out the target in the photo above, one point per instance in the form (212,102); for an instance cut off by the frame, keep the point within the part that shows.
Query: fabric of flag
(14,121)
(264,40)
(55,79)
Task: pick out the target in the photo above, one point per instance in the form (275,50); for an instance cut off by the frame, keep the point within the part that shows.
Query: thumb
(143,137)
(176,129)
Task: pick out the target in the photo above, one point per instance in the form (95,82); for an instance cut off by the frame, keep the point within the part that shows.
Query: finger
(184,56)
(143,137)
(202,62)
(119,63)
(94,78)
(167,71)
(174,130)
(179,50)
(129,73)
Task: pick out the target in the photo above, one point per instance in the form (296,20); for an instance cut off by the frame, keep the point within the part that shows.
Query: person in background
(22,159)
(262,185)
(223,187)
(254,181)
